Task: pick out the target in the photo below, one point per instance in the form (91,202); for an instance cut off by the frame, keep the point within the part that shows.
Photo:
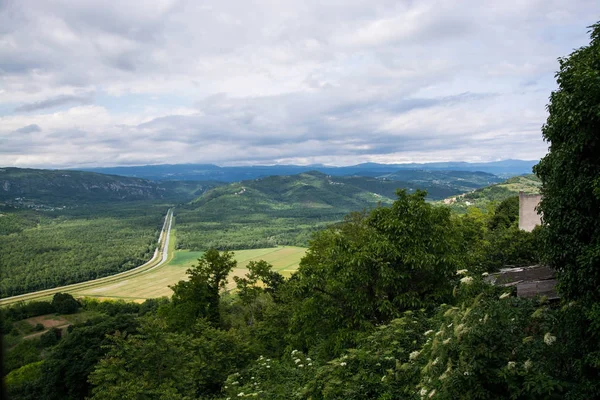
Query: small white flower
(511,365)
(485,274)
(467,280)
(310,364)
(504,295)
(528,364)
(240,394)
(297,360)
(300,365)
(268,366)
(467,373)
(308,359)
(294,352)
(423,392)
(549,339)
(462,271)
(414,355)
(429,332)
(343,364)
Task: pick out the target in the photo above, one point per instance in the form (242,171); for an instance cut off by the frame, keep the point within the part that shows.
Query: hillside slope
(529,184)
(39,188)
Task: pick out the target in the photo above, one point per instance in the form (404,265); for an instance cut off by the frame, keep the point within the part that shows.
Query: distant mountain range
(203,172)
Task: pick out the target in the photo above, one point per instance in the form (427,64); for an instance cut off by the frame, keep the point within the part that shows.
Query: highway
(159,258)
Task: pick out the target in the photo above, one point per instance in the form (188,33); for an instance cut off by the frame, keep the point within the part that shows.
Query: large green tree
(570,173)
(198,297)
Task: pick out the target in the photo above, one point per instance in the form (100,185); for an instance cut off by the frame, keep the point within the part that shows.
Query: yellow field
(155,283)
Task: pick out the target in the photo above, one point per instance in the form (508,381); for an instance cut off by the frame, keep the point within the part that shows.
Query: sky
(91,83)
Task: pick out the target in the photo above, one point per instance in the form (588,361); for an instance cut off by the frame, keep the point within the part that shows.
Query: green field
(155,283)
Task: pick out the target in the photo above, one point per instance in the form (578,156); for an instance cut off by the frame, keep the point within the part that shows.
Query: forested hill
(529,184)
(315,189)
(40,188)
(308,190)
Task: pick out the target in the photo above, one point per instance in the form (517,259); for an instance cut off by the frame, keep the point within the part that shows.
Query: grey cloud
(29,129)
(55,102)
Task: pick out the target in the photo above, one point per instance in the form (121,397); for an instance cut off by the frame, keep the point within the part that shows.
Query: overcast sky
(232,82)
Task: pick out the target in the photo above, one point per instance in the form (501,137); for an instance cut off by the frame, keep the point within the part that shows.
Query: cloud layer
(88,83)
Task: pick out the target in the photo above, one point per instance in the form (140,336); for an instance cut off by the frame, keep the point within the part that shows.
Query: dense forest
(42,249)
(392,303)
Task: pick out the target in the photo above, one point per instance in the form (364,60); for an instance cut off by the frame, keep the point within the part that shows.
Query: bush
(64,303)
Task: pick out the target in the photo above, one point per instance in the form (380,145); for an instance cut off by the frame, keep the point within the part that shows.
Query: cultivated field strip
(155,283)
(160,256)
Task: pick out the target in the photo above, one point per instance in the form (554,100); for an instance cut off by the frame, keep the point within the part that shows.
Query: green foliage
(51,337)
(505,214)
(373,267)
(66,369)
(25,352)
(160,364)
(23,383)
(570,173)
(64,303)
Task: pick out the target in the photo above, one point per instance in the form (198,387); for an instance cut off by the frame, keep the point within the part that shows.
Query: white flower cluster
(549,339)
(462,272)
(414,355)
(467,280)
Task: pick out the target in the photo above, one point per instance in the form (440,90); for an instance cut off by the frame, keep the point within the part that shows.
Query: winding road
(159,258)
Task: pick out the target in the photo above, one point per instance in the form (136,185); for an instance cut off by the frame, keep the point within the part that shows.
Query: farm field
(155,283)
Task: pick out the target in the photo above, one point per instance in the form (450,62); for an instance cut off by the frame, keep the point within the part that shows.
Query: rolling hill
(529,184)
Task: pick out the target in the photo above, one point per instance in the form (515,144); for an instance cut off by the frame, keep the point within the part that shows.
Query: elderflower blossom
(485,274)
(466,280)
(414,355)
(343,364)
(549,339)
(423,392)
(294,352)
(511,365)
(504,295)
(297,360)
(462,271)
(240,394)
(528,364)
(300,365)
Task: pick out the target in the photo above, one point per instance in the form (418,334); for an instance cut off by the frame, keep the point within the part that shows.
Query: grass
(155,283)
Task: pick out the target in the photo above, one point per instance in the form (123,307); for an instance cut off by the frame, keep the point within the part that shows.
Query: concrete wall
(528,216)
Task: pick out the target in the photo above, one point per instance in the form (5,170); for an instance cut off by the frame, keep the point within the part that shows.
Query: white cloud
(264,81)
